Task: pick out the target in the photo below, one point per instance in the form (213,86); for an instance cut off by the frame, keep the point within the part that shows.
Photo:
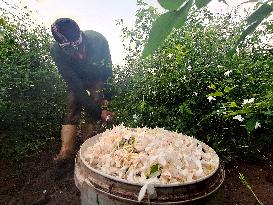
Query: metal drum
(98,188)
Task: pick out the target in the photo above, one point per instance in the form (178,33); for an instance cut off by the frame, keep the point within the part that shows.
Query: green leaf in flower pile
(153,169)
(122,142)
(131,140)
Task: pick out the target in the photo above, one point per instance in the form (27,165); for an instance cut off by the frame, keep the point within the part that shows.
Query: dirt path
(39,181)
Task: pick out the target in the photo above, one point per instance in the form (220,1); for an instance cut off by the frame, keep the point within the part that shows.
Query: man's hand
(106,115)
(105,103)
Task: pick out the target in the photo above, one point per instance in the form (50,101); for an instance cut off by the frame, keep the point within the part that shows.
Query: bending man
(83,60)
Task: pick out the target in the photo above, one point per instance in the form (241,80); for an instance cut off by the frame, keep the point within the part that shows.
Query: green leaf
(270,27)
(154,168)
(131,140)
(227,89)
(261,13)
(122,142)
(223,1)
(201,3)
(270,113)
(254,20)
(217,93)
(212,86)
(163,26)
(233,104)
(184,109)
(142,105)
(182,14)
(250,1)
(242,178)
(247,31)
(171,4)
(2,21)
(250,125)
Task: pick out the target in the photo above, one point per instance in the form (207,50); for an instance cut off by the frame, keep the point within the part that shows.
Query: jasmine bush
(196,86)
(31,91)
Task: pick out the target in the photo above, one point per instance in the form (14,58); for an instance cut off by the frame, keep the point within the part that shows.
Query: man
(83,60)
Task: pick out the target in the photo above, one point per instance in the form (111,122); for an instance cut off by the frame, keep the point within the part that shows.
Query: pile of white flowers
(157,156)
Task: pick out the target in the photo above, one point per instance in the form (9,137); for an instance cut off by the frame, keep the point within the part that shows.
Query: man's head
(68,34)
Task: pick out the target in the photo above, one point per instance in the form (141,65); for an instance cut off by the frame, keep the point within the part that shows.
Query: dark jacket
(83,74)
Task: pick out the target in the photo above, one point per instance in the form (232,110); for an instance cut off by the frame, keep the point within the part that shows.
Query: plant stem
(249,187)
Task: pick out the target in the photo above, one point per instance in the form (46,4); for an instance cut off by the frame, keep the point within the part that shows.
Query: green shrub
(32,92)
(195,86)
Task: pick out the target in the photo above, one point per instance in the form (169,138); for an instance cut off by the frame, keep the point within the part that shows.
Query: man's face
(71,48)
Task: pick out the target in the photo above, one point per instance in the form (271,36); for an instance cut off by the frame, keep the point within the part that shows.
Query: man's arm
(106,75)
(106,69)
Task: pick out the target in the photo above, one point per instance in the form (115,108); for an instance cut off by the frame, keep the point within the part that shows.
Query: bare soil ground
(38,180)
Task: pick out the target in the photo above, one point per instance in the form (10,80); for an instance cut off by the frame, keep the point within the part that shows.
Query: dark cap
(65,30)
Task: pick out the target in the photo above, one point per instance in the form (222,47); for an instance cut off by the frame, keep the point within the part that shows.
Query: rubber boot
(68,135)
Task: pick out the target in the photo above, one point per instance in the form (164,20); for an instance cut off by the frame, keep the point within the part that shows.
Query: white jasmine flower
(258,125)
(142,192)
(1,37)
(170,55)
(251,100)
(152,70)
(135,117)
(195,93)
(238,117)
(210,98)
(227,73)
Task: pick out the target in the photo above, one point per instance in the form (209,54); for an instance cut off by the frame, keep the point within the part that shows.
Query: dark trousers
(74,107)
